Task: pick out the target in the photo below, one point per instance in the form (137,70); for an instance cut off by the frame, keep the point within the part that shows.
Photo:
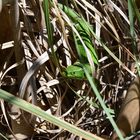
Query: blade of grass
(48,22)
(47,6)
(136,10)
(48,117)
(131,18)
(132,12)
(3,136)
(90,79)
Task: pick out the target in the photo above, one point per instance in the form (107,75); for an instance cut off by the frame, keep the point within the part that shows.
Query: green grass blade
(2,136)
(131,18)
(48,22)
(90,79)
(133,11)
(47,6)
(42,114)
(136,10)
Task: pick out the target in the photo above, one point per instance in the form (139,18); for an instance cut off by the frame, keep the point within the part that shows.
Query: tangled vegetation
(66,66)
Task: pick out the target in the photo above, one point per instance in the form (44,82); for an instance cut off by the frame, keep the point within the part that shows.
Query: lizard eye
(73,73)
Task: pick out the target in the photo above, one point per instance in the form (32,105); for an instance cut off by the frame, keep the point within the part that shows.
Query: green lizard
(83,28)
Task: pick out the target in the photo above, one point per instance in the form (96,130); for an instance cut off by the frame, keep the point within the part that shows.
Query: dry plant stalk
(5,26)
(129,117)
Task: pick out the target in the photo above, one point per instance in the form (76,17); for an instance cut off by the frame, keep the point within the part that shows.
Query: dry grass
(31,70)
